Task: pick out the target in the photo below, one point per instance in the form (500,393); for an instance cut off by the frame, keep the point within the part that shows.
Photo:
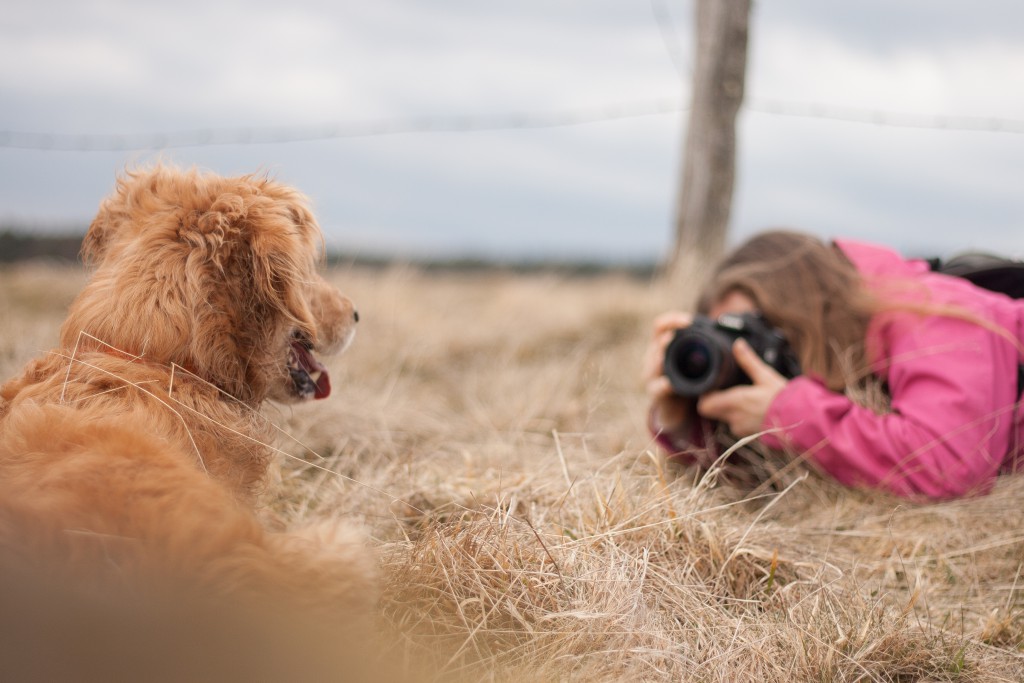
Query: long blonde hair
(810,291)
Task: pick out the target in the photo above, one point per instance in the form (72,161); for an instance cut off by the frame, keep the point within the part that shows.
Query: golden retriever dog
(133,453)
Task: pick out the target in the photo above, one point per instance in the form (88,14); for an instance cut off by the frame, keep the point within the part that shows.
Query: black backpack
(988,271)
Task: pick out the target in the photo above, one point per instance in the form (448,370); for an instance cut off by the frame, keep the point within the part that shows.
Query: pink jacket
(956,421)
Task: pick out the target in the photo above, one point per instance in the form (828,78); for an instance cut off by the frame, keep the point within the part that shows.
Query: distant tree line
(17,245)
(20,245)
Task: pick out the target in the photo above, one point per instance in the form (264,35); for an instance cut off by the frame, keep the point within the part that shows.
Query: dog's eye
(298,336)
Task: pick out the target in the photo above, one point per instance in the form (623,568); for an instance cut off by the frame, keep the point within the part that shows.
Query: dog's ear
(112,214)
(136,191)
(283,263)
(95,238)
(283,253)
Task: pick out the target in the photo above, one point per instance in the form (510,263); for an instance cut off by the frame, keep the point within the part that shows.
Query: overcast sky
(75,73)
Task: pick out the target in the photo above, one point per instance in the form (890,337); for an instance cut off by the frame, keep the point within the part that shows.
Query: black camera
(699,358)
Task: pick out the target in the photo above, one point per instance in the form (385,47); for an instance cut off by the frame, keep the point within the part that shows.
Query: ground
(488,430)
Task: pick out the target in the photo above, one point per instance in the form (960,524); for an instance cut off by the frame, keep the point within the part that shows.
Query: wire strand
(114,142)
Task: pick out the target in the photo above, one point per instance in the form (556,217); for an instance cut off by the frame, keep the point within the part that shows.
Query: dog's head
(217,275)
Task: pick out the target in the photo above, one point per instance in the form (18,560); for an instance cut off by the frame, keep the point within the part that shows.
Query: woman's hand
(744,407)
(670,412)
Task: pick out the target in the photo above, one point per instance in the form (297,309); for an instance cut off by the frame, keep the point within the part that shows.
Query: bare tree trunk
(709,160)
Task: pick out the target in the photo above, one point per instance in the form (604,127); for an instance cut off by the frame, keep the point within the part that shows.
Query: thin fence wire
(207,137)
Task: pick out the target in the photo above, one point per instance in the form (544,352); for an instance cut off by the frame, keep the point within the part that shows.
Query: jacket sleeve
(952,384)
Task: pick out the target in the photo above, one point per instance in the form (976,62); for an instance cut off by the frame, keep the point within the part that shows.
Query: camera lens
(699,359)
(694,361)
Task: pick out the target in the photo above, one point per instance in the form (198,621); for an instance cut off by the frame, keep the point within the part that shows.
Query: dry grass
(489,432)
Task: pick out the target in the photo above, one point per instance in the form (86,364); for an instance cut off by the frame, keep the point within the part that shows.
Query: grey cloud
(603,188)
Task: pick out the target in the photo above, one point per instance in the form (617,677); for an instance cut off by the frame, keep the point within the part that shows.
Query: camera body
(699,358)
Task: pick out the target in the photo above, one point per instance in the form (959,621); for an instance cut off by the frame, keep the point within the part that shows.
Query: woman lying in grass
(948,354)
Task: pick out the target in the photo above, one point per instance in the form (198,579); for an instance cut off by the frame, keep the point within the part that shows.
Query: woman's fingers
(670,411)
(659,388)
(670,321)
(664,329)
(757,370)
(745,406)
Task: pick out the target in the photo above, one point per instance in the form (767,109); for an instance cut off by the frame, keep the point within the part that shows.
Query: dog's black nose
(355,315)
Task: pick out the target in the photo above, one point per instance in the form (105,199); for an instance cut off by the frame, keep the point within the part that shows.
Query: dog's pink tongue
(311,365)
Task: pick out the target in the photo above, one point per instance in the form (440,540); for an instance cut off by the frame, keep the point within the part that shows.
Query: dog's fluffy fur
(135,450)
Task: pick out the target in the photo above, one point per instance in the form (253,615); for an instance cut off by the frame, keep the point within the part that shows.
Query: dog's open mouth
(309,376)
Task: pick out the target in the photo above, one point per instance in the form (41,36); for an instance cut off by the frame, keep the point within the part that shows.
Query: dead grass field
(488,430)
